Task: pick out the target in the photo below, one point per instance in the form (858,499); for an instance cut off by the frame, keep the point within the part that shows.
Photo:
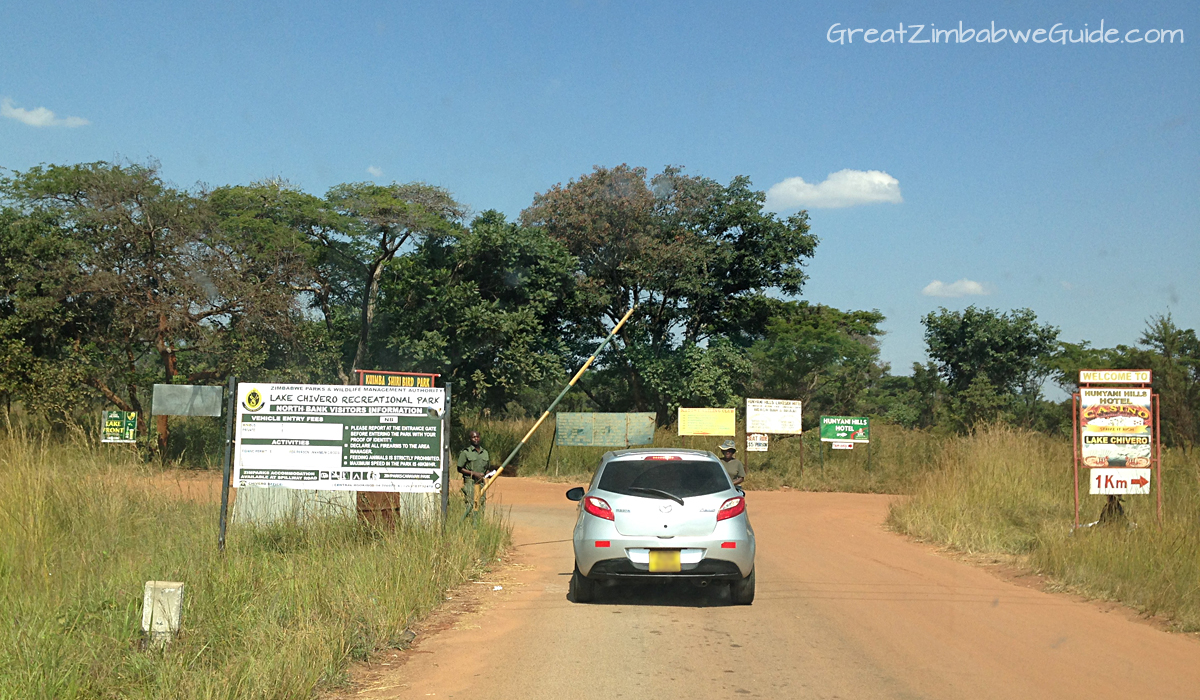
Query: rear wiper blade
(657,492)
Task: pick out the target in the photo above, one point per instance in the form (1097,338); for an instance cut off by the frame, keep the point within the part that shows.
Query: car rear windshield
(682,478)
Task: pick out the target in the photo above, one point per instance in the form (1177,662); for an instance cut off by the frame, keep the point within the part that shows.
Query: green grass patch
(280,614)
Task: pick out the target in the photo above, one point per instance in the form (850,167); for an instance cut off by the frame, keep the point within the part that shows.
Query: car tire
(742,592)
(583,589)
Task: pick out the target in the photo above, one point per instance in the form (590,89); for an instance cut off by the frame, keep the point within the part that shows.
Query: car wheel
(742,592)
(583,589)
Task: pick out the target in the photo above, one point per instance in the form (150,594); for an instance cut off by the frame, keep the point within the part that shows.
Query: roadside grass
(1009,492)
(280,615)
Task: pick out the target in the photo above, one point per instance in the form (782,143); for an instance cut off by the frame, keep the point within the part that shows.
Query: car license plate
(664,560)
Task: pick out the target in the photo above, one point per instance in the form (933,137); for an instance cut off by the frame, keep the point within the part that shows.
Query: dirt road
(844,609)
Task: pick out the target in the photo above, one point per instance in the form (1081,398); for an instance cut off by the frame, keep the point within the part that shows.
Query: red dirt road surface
(844,609)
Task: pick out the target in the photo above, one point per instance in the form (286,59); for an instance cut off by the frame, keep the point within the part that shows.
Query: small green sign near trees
(845,429)
(119,426)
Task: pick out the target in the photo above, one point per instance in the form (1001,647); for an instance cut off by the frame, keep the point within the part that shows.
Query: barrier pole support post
(227,463)
(1158,458)
(1075,450)
(446,458)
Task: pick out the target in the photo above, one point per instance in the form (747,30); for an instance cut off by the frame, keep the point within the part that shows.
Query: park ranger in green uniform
(473,464)
(733,466)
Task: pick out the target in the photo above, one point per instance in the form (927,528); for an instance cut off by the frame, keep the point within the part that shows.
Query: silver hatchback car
(662,514)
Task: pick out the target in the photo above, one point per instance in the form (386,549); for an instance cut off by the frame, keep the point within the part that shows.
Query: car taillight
(653,457)
(598,507)
(733,507)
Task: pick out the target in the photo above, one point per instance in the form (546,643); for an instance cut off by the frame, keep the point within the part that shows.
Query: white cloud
(374,171)
(962,288)
(39,117)
(845,188)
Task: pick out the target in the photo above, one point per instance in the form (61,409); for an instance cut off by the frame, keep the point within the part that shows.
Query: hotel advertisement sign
(1116,427)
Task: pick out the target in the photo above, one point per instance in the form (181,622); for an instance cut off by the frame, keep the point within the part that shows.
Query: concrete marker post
(162,611)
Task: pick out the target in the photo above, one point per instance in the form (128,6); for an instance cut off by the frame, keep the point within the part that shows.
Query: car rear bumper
(591,532)
(622,568)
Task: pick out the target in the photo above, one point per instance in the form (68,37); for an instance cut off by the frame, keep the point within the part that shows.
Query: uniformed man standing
(733,466)
(473,464)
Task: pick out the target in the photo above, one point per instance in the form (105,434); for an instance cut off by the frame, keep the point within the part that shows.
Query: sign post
(340,438)
(378,377)
(227,462)
(447,458)
(604,429)
(707,421)
(772,416)
(119,426)
(844,432)
(1115,428)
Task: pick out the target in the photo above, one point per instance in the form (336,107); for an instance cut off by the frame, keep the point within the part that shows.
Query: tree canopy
(112,280)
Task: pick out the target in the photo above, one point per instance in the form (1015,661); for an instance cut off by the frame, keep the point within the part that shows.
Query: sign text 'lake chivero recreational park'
(334,437)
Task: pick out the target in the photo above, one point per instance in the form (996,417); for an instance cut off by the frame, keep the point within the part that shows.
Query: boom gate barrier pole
(554,403)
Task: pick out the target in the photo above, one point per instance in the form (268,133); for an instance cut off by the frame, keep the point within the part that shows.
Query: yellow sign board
(707,421)
(1115,376)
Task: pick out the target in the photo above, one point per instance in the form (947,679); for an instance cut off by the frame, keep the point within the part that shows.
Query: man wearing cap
(733,466)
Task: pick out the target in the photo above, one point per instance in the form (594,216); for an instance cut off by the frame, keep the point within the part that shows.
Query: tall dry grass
(279,615)
(1010,492)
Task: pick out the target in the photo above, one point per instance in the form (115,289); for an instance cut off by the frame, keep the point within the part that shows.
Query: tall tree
(487,307)
(379,220)
(142,271)
(275,211)
(815,352)
(698,258)
(987,356)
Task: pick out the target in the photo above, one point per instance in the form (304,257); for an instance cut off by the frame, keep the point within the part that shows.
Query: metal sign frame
(1155,443)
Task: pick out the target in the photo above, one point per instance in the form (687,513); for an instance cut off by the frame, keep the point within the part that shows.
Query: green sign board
(604,429)
(119,426)
(845,429)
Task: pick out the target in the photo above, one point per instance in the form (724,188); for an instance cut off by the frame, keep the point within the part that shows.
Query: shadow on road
(679,594)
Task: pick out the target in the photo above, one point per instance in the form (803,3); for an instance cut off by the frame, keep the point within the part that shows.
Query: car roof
(634,453)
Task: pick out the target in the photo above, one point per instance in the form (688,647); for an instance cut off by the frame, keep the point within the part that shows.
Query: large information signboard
(604,429)
(707,421)
(1115,425)
(339,438)
(776,416)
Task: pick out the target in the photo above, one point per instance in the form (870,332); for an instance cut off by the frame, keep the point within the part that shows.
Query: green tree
(987,357)
(279,215)
(376,222)
(486,306)
(819,355)
(1174,355)
(114,280)
(696,256)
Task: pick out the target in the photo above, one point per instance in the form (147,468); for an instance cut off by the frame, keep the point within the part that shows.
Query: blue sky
(1063,178)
